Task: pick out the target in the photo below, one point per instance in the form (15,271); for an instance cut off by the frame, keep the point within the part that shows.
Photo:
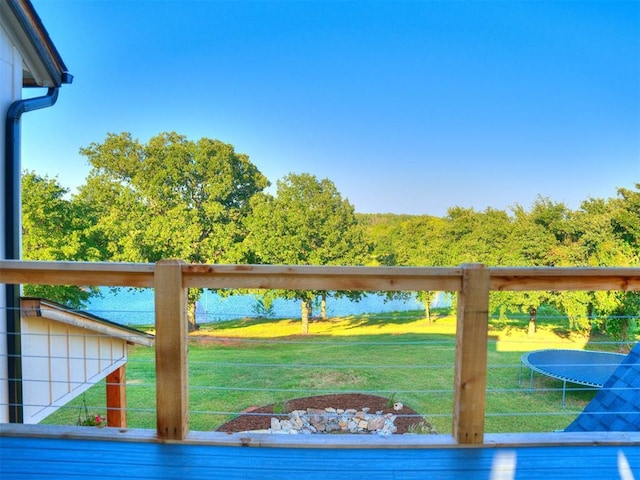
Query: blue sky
(409,107)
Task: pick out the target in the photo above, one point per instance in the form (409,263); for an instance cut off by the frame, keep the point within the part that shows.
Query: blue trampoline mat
(592,368)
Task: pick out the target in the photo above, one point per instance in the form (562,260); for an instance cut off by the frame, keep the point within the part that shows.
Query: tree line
(203,202)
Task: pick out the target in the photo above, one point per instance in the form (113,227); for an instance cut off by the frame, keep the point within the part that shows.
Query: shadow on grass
(601,341)
(378,320)
(243,323)
(383,319)
(345,323)
(368,340)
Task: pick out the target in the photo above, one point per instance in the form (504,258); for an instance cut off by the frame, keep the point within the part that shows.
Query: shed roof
(616,407)
(43,66)
(54,311)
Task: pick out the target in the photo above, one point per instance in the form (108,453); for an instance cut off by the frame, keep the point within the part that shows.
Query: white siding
(36,372)
(10,90)
(60,362)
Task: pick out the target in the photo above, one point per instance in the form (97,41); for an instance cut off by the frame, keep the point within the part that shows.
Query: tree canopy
(202,202)
(169,198)
(54,228)
(306,223)
(602,232)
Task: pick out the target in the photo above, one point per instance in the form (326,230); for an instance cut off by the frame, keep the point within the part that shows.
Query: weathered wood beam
(470,379)
(76,273)
(172,399)
(307,277)
(564,278)
(319,277)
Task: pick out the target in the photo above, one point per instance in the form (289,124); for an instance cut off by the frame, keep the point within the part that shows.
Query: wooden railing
(171,278)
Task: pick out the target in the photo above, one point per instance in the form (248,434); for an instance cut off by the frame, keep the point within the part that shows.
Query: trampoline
(583,367)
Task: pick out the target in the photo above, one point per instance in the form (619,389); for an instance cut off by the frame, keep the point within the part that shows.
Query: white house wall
(10,90)
(62,361)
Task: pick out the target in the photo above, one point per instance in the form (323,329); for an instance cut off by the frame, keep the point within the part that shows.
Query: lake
(136,307)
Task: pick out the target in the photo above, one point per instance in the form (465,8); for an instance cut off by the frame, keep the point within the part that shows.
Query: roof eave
(42,63)
(39,307)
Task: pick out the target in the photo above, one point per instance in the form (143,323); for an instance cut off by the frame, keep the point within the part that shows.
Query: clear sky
(409,107)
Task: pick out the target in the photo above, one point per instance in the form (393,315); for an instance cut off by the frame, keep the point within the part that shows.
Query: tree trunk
(323,306)
(532,320)
(624,331)
(427,310)
(191,316)
(305,309)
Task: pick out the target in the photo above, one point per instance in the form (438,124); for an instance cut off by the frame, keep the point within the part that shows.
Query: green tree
(407,240)
(471,236)
(53,228)
(306,223)
(626,219)
(598,244)
(403,240)
(543,236)
(170,198)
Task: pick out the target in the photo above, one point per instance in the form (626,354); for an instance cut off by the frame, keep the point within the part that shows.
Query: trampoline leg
(520,375)
(530,377)
(564,392)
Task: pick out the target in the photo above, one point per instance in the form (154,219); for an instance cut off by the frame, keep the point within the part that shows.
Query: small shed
(65,352)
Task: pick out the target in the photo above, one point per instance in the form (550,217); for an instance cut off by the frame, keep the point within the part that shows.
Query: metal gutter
(13,209)
(43,67)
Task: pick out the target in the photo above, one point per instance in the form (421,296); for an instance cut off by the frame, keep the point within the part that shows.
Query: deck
(39,452)
(174,451)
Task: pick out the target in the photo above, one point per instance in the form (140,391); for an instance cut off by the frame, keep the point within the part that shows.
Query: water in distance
(136,306)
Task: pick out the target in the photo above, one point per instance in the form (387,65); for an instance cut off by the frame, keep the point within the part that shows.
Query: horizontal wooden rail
(564,278)
(323,278)
(77,273)
(171,278)
(320,277)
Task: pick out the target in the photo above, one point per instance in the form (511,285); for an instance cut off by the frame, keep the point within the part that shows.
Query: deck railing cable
(480,375)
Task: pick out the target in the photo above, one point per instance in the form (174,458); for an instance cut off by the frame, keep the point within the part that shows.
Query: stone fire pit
(353,407)
(335,420)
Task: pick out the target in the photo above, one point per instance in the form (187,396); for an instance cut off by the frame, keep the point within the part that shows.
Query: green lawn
(238,364)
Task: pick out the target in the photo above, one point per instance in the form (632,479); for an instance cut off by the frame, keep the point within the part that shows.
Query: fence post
(117,397)
(172,398)
(470,382)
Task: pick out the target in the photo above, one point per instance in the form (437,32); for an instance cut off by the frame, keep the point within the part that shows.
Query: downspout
(13,233)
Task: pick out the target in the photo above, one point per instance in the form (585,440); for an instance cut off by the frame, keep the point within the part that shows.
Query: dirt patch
(250,421)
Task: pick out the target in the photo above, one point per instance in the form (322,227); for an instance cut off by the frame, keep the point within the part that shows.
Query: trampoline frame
(524,361)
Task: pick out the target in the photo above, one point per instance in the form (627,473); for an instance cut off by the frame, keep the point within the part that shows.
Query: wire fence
(398,357)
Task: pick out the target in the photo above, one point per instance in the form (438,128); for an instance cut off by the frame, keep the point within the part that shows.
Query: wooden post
(470,382)
(117,398)
(172,398)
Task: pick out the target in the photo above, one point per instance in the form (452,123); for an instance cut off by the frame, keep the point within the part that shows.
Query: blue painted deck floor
(55,458)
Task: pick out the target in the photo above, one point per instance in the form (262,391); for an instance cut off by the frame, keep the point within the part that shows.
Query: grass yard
(240,364)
